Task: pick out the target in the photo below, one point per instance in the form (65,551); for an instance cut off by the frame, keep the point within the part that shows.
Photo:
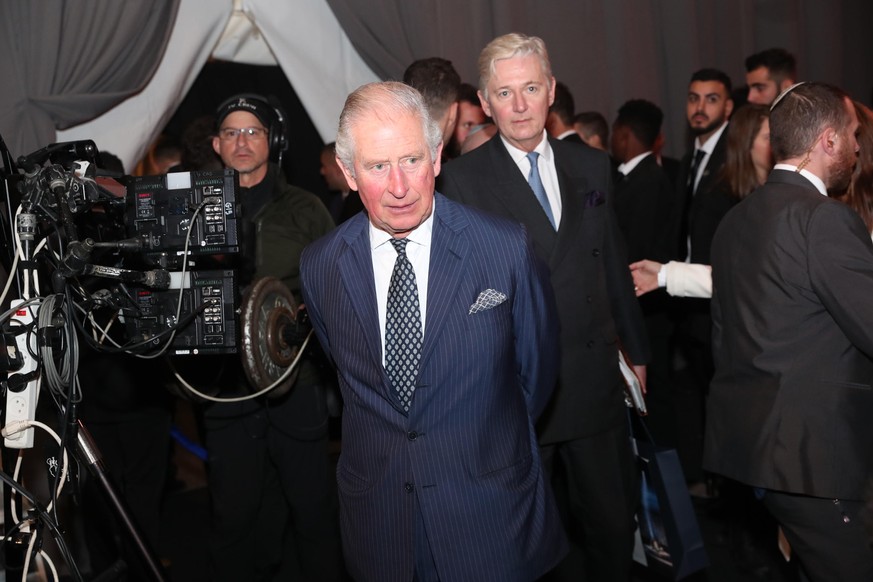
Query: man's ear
(828,141)
(486,107)
(453,115)
(438,163)
(350,179)
(551,90)
(216,142)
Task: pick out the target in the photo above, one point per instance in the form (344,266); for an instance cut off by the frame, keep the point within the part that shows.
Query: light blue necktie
(539,191)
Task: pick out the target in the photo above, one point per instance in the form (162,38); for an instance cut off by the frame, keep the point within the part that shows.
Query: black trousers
(273,500)
(597,487)
(827,536)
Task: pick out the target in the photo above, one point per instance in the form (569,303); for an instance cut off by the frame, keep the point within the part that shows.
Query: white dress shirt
(707,147)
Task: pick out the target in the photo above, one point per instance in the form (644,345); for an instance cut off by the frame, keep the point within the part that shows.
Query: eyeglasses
(229,133)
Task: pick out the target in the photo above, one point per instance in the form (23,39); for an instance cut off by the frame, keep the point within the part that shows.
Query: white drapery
(303,37)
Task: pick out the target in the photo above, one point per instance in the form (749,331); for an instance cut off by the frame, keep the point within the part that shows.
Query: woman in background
(859,195)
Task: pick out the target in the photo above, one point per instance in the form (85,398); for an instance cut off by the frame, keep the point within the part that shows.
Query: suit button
(412,435)
(590,344)
(595,253)
(409,487)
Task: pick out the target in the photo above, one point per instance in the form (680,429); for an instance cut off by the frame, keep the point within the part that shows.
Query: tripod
(88,453)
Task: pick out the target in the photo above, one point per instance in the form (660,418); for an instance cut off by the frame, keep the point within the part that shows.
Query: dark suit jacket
(702,216)
(644,207)
(467,450)
(589,274)
(791,403)
(573,138)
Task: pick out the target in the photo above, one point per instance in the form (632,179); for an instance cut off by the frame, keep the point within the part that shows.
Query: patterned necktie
(536,185)
(403,327)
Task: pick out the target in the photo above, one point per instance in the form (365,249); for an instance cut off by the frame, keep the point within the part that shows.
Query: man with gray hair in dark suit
(562,192)
(441,324)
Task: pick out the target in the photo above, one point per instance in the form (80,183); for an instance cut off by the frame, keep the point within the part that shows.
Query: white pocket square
(486,300)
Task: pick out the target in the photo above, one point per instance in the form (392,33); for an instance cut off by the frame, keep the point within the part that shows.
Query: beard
(842,170)
(714,124)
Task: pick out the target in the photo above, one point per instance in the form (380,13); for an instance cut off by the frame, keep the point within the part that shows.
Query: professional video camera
(153,256)
(145,234)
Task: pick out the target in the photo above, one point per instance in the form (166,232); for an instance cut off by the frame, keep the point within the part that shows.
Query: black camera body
(166,241)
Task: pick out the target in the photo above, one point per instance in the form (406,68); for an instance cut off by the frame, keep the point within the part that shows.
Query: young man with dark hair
(439,83)
(643,192)
(708,108)
(559,123)
(768,73)
(592,128)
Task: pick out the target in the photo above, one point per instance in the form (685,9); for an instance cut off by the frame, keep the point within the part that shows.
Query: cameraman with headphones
(273,499)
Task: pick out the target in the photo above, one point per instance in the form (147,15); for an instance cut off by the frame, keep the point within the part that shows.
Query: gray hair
(385,100)
(508,46)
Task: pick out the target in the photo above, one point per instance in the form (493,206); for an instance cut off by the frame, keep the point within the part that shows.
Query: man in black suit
(643,194)
(644,207)
(708,108)
(559,123)
(791,402)
(561,192)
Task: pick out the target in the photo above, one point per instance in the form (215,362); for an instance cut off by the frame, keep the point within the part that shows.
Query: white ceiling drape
(303,38)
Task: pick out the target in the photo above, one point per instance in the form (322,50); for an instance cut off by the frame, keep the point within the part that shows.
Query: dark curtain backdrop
(609,51)
(64,62)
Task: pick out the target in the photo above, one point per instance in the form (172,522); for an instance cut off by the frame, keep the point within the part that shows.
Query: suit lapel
(448,259)
(573,192)
(714,164)
(356,272)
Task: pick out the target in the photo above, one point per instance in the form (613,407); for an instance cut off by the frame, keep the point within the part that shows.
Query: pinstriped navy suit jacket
(467,449)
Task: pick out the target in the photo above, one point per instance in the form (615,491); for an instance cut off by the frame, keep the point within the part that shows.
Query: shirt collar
(816,181)
(628,167)
(421,235)
(710,143)
(543,148)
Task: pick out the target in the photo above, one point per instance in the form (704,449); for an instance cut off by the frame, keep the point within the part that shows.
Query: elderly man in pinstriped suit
(440,476)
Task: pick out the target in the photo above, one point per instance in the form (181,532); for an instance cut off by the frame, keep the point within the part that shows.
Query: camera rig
(140,265)
(146,236)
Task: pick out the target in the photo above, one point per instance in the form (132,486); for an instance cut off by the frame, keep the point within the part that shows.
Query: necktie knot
(532,158)
(399,245)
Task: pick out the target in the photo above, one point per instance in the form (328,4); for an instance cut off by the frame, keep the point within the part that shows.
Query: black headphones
(276,127)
